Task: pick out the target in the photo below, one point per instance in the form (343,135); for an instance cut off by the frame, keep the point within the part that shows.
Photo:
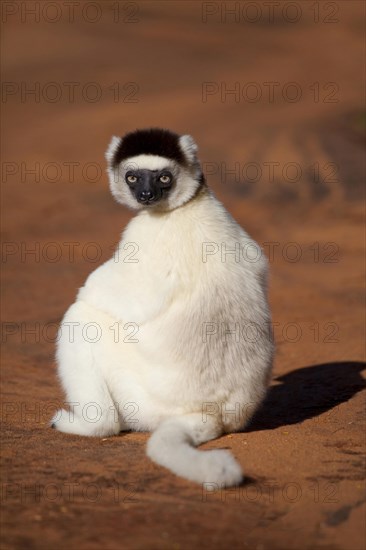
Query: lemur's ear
(112,148)
(189,148)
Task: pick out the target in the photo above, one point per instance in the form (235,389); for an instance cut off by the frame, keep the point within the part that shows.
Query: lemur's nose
(146,195)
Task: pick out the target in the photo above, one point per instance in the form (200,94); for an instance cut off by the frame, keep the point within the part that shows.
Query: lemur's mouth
(148,202)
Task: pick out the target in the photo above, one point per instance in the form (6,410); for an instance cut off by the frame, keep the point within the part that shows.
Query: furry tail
(172,445)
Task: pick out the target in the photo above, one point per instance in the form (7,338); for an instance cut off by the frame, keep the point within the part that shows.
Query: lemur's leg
(80,356)
(172,445)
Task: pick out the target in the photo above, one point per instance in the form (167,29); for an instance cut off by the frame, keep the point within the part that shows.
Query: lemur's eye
(131,179)
(165,178)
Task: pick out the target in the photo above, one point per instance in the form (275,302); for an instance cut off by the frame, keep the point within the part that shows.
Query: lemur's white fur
(166,343)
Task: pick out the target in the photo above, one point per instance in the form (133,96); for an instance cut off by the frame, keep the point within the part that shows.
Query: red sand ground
(303,453)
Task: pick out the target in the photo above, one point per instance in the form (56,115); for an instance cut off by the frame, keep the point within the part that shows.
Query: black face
(149,186)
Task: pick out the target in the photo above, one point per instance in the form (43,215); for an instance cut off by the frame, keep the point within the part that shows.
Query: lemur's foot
(72,423)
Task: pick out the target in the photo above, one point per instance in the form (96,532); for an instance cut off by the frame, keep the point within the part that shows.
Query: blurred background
(273,93)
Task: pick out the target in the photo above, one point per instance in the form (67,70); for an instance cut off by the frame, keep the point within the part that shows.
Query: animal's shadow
(308,392)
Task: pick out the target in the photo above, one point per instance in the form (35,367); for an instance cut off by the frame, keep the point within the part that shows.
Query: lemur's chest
(163,248)
(162,262)
(149,271)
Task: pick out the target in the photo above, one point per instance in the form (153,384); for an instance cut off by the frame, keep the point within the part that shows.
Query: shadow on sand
(308,392)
